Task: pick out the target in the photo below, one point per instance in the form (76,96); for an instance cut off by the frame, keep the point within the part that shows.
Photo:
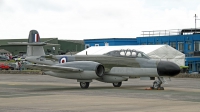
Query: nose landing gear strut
(157,84)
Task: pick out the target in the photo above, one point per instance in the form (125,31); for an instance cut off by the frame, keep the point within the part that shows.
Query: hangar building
(56,47)
(186,41)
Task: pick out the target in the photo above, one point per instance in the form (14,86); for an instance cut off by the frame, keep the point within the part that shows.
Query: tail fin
(34,46)
(33,36)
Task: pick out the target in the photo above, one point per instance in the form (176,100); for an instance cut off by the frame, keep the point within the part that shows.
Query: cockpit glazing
(127,53)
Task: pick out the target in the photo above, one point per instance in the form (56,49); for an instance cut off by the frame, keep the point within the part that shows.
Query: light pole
(195,16)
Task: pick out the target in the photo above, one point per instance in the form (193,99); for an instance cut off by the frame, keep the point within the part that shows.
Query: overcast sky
(91,19)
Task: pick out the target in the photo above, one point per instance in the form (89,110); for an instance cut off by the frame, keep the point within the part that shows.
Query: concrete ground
(42,93)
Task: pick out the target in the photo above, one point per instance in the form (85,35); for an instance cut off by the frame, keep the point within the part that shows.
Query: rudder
(33,36)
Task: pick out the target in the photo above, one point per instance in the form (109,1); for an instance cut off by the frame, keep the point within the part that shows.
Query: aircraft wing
(54,68)
(50,57)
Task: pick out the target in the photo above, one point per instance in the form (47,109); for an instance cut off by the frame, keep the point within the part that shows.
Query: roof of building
(74,41)
(112,39)
(4,51)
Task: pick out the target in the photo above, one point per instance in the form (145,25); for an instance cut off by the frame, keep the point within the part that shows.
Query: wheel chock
(151,88)
(160,88)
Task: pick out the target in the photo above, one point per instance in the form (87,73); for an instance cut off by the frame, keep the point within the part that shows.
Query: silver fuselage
(115,66)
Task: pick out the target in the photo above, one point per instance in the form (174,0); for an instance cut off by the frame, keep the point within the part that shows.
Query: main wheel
(117,84)
(84,85)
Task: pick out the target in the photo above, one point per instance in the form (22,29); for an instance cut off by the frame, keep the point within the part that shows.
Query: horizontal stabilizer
(26,43)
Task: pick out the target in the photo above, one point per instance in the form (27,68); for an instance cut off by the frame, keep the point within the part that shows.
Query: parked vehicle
(13,66)
(4,67)
(3,58)
(13,57)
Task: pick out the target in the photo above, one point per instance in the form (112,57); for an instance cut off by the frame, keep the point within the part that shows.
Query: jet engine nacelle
(100,70)
(86,66)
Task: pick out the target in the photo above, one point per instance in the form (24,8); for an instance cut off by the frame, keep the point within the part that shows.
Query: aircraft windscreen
(127,53)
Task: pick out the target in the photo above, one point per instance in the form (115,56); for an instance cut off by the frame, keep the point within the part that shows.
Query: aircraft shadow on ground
(90,88)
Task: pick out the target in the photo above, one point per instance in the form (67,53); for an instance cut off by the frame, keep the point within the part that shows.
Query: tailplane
(34,46)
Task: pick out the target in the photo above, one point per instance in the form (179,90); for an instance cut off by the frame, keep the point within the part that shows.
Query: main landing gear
(117,84)
(84,85)
(157,84)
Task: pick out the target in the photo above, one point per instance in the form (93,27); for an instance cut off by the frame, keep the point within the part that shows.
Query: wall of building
(71,46)
(110,42)
(184,43)
(14,49)
(193,63)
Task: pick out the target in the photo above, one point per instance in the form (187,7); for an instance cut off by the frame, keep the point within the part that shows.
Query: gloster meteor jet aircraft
(112,67)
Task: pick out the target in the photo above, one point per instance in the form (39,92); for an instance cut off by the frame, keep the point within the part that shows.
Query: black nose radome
(166,68)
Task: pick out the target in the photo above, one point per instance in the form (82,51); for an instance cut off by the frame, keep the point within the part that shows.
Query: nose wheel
(157,84)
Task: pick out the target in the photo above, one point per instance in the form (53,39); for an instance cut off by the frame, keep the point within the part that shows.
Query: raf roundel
(63,60)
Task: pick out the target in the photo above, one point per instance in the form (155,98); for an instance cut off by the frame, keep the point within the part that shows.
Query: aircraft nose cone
(166,68)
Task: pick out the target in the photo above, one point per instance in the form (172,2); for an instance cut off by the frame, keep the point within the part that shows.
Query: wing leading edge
(54,68)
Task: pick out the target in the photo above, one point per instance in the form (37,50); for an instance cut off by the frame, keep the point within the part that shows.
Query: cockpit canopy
(127,53)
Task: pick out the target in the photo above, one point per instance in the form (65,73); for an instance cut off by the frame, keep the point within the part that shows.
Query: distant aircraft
(112,67)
